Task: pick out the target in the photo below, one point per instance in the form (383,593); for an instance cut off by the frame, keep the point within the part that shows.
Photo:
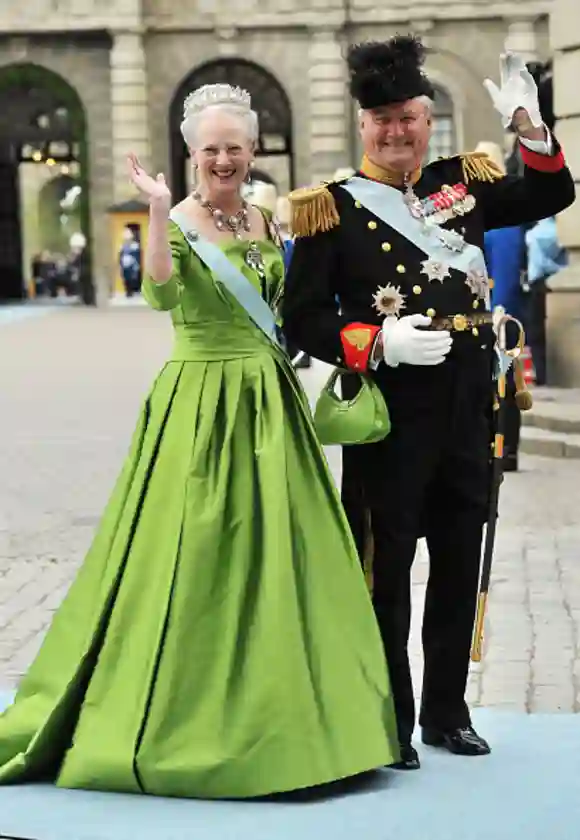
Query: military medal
(254,258)
(447,204)
(450,239)
(477,283)
(439,208)
(435,270)
(255,261)
(388,300)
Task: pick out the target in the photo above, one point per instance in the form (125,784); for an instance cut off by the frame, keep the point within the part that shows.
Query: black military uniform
(430,476)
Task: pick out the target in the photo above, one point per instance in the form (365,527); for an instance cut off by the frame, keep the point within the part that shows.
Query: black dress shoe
(409,758)
(462,741)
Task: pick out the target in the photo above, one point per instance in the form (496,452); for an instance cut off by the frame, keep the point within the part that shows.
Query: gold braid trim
(477,166)
(312,210)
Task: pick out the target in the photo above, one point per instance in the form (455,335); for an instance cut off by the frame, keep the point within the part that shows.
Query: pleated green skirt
(219,639)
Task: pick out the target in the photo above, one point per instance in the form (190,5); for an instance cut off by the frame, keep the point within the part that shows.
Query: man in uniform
(388,277)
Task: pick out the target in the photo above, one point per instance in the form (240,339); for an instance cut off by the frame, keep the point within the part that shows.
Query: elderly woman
(219,640)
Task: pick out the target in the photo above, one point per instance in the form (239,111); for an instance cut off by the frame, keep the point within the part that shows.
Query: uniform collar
(386,176)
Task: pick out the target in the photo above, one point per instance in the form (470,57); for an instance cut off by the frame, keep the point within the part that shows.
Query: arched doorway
(444,137)
(269,99)
(42,138)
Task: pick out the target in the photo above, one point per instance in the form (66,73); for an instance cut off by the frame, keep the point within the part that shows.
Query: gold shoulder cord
(477,166)
(312,210)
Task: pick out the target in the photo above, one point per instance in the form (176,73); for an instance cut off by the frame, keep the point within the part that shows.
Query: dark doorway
(42,131)
(11,280)
(269,100)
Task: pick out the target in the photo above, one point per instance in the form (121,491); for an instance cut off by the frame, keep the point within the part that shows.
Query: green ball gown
(219,640)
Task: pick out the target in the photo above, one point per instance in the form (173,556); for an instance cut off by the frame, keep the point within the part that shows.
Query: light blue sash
(232,278)
(387,204)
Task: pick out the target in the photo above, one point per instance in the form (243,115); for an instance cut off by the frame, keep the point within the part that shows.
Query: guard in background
(388,277)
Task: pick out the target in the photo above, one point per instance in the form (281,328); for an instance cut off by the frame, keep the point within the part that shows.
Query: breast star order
(435,270)
(388,300)
(477,283)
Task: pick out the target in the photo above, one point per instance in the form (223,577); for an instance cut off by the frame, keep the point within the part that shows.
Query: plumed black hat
(387,72)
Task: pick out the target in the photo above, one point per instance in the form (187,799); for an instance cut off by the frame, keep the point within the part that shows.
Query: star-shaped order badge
(388,300)
(435,270)
(477,282)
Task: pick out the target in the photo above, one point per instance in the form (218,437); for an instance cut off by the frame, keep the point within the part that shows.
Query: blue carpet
(529,788)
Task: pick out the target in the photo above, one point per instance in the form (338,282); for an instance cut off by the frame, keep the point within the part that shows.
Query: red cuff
(542,163)
(357,343)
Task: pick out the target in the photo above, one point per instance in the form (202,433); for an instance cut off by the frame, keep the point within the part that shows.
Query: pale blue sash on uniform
(388,205)
(231,277)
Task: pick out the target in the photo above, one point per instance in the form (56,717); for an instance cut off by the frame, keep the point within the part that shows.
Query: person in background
(130,262)
(506,258)
(545,258)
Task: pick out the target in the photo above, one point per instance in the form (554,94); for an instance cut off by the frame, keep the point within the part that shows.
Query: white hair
(217,98)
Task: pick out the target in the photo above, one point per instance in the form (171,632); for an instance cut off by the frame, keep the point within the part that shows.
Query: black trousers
(430,478)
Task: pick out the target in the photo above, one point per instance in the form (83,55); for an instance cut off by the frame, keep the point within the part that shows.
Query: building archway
(269,99)
(42,136)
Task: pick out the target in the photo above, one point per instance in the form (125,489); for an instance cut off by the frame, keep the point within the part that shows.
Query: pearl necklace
(237,223)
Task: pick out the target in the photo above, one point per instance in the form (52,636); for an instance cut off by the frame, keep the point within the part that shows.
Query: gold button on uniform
(372,225)
(357,204)
(386,246)
(475,331)
(430,313)
(417,290)
(475,304)
(401,269)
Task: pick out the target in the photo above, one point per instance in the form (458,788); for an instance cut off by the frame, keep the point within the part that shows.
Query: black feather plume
(387,72)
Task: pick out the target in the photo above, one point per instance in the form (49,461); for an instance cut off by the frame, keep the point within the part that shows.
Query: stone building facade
(132,61)
(563,304)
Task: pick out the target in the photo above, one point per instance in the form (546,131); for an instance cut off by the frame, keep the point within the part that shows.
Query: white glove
(518,90)
(403,342)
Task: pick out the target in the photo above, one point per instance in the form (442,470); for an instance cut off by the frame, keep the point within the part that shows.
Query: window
(443,140)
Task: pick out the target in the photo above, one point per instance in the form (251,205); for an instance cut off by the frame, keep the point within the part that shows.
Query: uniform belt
(461,323)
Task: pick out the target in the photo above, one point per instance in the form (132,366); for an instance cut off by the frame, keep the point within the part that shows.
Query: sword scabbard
(477,644)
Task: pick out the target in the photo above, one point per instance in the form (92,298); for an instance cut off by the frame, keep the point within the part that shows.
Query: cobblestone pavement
(70,387)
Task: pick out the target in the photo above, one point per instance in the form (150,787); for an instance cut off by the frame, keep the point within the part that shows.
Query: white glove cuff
(389,322)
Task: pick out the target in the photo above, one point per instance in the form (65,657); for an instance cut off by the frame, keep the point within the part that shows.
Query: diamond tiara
(218,94)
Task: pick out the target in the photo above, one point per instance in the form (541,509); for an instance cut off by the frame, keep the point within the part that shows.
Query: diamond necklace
(237,223)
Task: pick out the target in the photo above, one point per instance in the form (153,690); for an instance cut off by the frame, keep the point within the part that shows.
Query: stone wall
(563,303)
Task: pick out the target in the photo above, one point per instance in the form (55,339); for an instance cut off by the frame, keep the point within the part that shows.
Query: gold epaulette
(478,166)
(312,210)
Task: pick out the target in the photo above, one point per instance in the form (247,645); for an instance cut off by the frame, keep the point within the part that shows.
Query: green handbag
(363,419)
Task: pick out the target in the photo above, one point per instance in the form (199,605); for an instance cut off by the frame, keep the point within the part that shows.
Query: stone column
(328,105)
(521,39)
(129,109)
(564,303)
